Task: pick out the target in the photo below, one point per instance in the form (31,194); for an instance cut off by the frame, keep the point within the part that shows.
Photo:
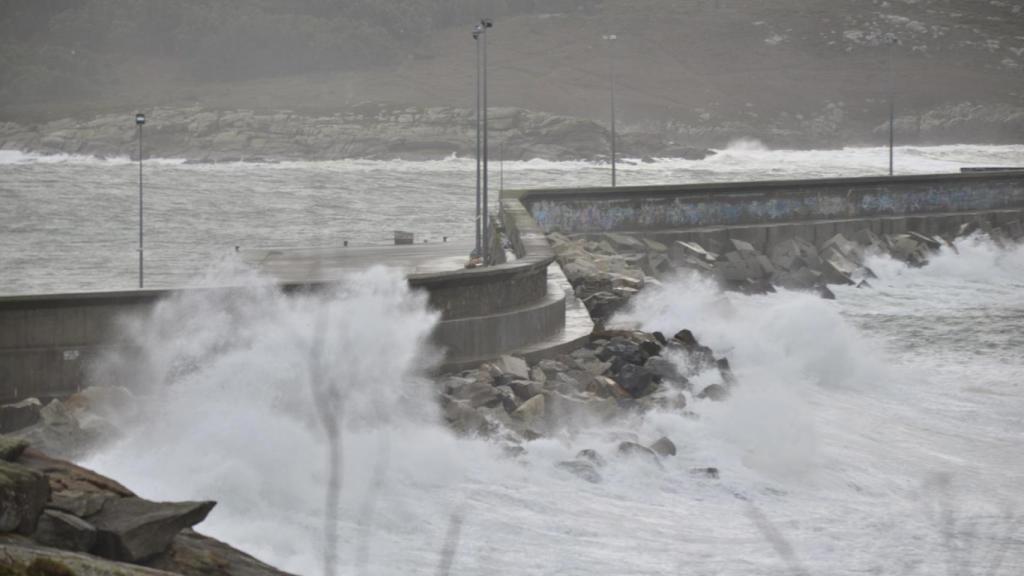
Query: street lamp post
(892,103)
(477,31)
(484,25)
(610,38)
(140,119)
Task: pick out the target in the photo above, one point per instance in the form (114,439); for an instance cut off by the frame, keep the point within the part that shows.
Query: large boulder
(532,413)
(23,494)
(464,419)
(62,530)
(583,469)
(25,559)
(192,553)
(133,530)
(664,447)
(11,448)
(19,415)
(636,380)
(513,366)
(78,503)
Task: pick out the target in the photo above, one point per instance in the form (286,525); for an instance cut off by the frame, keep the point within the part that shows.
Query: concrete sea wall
(47,342)
(668,208)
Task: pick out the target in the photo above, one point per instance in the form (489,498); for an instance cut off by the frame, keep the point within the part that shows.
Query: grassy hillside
(706,69)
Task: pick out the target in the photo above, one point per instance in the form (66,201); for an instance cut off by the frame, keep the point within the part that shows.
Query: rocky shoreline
(606,270)
(365,131)
(59,519)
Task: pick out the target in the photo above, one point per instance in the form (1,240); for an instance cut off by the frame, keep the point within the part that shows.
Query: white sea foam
(843,439)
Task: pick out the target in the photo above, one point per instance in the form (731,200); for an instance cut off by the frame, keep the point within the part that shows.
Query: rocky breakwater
(617,374)
(59,519)
(369,130)
(606,270)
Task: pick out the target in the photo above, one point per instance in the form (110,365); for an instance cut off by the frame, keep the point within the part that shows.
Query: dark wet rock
(625,242)
(628,448)
(908,249)
(19,415)
(22,557)
(478,394)
(526,389)
(826,293)
(660,338)
(664,447)
(803,278)
(509,401)
(514,366)
(725,370)
(23,495)
(714,392)
(708,472)
(11,448)
(929,242)
(621,352)
(582,469)
(650,348)
(636,380)
(850,250)
(462,418)
(868,240)
(591,455)
(513,450)
(665,369)
(686,338)
(533,412)
(193,553)
(700,358)
(77,502)
(538,375)
(65,531)
(132,529)
(552,367)
(793,254)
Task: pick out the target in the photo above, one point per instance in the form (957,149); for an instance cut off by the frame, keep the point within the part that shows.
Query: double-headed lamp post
(480,36)
(610,39)
(140,119)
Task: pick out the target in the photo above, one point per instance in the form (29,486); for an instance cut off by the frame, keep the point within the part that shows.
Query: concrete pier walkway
(327,264)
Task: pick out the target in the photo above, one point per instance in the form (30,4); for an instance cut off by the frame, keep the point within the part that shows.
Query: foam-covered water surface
(878,433)
(70,223)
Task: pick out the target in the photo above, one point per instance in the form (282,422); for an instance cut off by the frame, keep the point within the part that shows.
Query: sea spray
(227,411)
(853,445)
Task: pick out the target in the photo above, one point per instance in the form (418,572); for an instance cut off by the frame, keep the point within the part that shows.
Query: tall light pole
(892,103)
(611,38)
(484,25)
(140,119)
(477,31)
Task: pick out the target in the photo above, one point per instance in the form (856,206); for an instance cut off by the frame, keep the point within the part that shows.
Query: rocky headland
(59,519)
(367,131)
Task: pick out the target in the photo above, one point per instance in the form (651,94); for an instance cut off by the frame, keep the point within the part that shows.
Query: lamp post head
(140,119)
(487,23)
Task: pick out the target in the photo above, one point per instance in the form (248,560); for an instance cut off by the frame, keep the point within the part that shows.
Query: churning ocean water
(879,433)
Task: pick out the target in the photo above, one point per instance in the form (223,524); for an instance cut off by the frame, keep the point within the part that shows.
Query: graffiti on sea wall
(603,212)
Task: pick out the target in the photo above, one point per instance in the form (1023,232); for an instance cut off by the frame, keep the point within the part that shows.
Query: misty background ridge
(704,71)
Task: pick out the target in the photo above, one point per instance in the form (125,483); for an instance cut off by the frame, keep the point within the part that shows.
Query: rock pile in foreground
(57,518)
(617,373)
